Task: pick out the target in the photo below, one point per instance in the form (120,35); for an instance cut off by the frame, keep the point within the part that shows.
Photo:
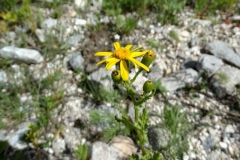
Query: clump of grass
(208,7)
(222,77)
(81,151)
(154,44)
(174,35)
(111,126)
(176,122)
(125,26)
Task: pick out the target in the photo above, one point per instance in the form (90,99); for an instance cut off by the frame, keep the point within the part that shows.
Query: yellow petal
(128,47)
(135,65)
(137,49)
(101,62)
(117,45)
(139,63)
(124,70)
(111,63)
(137,54)
(112,59)
(103,54)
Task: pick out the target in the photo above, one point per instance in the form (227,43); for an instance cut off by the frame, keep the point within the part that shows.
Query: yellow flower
(122,55)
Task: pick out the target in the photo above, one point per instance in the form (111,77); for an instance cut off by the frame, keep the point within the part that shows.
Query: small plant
(174,35)
(176,122)
(208,7)
(111,126)
(223,77)
(154,44)
(81,151)
(139,125)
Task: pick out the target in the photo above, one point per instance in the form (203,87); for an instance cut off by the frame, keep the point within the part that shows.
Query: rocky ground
(199,68)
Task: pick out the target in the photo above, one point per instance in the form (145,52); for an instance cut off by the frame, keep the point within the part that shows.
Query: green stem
(134,78)
(136,108)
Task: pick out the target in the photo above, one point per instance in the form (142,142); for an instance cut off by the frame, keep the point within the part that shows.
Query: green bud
(116,76)
(148,58)
(148,86)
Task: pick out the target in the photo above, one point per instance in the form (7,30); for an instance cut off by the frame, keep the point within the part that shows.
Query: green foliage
(112,127)
(174,35)
(99,92)
(153,44)
(33,134)
(176,121)
(169,9)
(47,83)
(158,86)
(208,7)
(222,77)
(125,25)
(81,151)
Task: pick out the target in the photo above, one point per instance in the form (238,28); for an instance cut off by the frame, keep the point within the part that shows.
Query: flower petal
(137,54)
(103,54)
(117,45)
(124,70)
(128,47)
(139,63)
(135,65)
(111,59)
(111,63)
(135,49)
(100,62)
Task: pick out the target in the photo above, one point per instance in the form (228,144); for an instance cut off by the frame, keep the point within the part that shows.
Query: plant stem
(134,78)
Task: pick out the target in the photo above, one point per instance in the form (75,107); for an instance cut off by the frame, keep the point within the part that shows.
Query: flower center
(122,53)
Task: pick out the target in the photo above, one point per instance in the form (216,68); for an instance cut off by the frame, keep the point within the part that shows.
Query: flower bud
(148,58)
(148,86)
(116,76)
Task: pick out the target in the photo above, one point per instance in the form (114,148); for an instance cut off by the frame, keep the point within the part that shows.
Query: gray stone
(188,63)
(217,155)
(21,54)
(101,151)
(208,144)
(77,61)
(49,23)
(180,79)
(73,40)
(196,42)
(200,22)
(159,138)
(14,137)
(102,76)
(209,64)
(224,81)
(222,50)
(3,77)
(155,72)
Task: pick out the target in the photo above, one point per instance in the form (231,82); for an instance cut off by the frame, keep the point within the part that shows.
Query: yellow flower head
(122,55)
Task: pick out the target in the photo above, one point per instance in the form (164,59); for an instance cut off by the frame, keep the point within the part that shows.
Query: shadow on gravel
(9,153)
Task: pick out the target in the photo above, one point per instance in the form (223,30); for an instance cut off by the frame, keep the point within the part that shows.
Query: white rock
(49,23)
(40,35)
(229,129)
(116,37)
(3,77)
(123,145)
(21,54)
(223,145)
(80,3)
(80,22)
